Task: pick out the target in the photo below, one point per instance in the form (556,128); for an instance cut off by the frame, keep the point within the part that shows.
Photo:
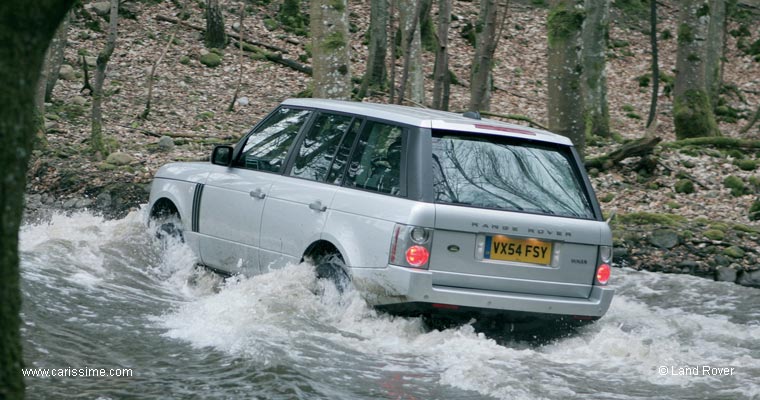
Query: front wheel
(167,228)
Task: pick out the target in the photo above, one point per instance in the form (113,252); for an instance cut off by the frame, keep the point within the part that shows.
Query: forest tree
(26,30)
(595,33)
(331,61)
(565,100)
(215,36)
(692,110)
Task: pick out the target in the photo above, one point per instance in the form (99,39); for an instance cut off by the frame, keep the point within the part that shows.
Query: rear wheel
(332,268)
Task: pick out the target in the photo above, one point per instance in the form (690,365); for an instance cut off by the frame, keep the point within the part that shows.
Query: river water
(107,294)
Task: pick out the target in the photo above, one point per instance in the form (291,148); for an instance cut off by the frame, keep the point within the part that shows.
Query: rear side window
(318,148)
(376,161)
(508,174)
(266,149)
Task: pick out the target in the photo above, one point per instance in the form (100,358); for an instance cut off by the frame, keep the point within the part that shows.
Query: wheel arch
(320,248)
(164,207)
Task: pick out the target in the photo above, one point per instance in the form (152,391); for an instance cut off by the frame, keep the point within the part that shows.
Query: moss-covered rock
(684,186)
(754,211)
(746,165)
(735,184)
(734,252)
(607,198)
(754,183)
(745,229)
(714,234)
(645,218)
(211,60)
(721,226)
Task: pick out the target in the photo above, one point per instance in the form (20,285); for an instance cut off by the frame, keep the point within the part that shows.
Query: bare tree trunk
(55,56)
(393,28)
(565,99)
(25,33)
(39,103)
(215,36)
(595,33)
(651,121)
(442,86)
(49,75)
(240,60)
(151,76)
(716,38)
(692,111)
(329,31)
(39,97)
(412,82)
(96,136)
(482,63)
(375,76)
(751,122)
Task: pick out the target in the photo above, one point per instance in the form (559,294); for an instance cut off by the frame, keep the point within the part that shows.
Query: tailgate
(514,252)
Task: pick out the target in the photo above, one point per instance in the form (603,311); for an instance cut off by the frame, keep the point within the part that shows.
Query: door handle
(317,206)
(258,194)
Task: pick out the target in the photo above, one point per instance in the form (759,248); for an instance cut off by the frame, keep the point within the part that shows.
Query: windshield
(502,173)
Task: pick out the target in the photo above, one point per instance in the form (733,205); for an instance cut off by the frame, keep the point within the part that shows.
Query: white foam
(268,316)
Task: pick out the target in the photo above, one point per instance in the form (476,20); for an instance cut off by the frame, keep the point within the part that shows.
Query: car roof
(429,118)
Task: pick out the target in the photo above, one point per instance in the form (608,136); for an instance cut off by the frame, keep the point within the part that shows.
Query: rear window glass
(507,174)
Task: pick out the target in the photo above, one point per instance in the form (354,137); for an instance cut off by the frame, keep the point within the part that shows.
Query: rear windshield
(507,174)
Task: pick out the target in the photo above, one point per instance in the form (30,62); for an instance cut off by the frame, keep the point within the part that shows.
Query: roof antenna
(471,114)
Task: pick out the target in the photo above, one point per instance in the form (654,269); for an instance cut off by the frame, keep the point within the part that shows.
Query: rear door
(511,215)
(298,204)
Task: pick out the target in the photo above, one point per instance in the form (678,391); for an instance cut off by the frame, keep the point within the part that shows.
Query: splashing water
(109,294)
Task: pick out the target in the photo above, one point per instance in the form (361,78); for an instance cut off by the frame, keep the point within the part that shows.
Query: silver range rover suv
(422,211)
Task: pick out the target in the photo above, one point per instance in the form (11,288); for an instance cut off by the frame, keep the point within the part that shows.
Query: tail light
(410,246)
(605,253)
(603,271)
(603,274)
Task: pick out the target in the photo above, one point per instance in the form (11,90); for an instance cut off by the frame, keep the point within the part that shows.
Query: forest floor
(707,232)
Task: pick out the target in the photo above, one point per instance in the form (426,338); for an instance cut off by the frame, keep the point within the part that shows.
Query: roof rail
(471,114)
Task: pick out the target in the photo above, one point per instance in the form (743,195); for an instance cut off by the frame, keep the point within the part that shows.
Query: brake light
(417,256)
(603,274)
(410,246)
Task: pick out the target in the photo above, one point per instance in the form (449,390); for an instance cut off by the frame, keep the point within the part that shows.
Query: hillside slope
(190,102)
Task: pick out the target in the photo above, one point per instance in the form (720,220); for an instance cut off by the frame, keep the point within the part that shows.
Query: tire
(169,228)
(332,268)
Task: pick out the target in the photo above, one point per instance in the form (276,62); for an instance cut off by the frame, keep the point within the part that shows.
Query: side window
(317,150)
(376,161)
(344,151)
(266,149)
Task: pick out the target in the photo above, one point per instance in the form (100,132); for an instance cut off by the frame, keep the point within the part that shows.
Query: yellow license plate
(504,248)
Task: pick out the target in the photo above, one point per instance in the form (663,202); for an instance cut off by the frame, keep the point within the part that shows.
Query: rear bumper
(396,285)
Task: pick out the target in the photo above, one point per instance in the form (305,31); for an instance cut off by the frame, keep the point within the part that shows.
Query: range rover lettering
(422,211)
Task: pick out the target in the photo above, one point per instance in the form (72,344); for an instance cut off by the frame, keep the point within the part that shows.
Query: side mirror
(222,155)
